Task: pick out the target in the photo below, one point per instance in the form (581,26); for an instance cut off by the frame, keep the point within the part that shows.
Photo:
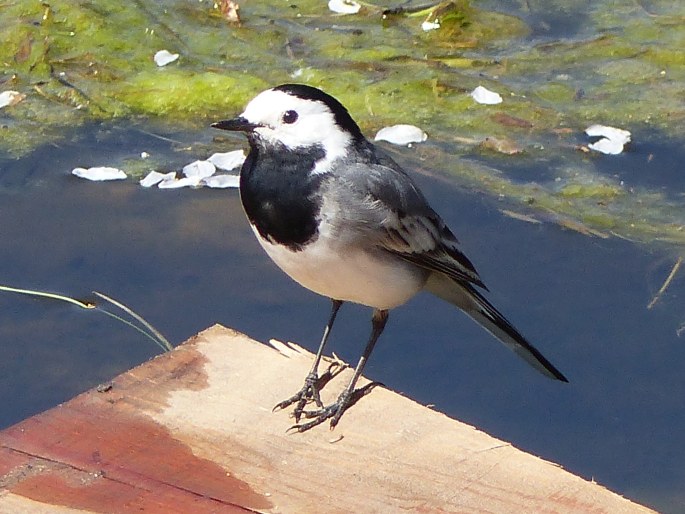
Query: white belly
(377,280)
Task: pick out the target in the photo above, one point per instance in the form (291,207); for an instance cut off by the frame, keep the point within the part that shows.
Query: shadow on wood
(192,431)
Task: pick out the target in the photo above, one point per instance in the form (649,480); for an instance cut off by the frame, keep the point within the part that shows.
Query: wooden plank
(193,431)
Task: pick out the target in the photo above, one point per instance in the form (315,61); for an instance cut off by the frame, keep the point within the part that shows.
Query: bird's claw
(310,391)
(333,411)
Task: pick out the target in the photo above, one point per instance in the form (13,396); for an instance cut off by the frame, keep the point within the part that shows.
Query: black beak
(238,124)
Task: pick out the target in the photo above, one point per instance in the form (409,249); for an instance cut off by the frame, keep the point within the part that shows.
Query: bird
(343,219)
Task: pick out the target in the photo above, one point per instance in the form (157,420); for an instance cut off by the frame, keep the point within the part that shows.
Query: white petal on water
(199,169)
(174,183)
(154,177)
(430,25)
(164,57)
(401,134)
(228,161)
(10,98)
(607,146)
(613,139)
(613,133)
(99,173)
(222,181)
(609,132)
(344,6)
(485,96)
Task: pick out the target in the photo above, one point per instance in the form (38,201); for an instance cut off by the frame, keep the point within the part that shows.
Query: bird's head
(298,117)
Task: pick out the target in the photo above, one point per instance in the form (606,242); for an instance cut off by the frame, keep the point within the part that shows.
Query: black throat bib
(276,189)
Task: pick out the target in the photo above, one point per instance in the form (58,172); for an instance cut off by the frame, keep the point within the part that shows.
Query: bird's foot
(333,411)
(310,391)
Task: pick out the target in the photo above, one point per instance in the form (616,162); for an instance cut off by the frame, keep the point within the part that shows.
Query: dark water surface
(186,259)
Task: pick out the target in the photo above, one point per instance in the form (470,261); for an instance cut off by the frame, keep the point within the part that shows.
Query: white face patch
(315,125)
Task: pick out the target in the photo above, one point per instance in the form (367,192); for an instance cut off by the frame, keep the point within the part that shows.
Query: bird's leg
(350,395)
(313,383)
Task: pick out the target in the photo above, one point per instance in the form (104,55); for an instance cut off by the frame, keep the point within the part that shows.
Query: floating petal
(228,161)
(485,96)
(401,135)
(430,25)
(344,6)
(606,146)
(99,173)
(10,98)
(154,177)
(199,169)
(609,132)
(164,57)
(612,140)
(174,183)
(222,181)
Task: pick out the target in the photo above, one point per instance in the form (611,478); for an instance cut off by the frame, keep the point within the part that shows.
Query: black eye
(289,117)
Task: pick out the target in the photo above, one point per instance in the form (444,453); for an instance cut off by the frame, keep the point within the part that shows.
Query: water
(186,259)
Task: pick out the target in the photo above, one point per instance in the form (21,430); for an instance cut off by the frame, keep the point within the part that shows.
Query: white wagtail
(345,221)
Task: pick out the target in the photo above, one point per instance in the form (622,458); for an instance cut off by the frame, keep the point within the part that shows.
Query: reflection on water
(186,259)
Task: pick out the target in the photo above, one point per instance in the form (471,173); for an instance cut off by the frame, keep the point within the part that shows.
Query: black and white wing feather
(406,226)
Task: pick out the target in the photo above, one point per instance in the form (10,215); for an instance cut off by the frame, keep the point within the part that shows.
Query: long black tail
(468,299)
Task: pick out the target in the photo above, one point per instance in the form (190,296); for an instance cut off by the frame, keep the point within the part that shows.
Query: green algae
(91,60)
(183,94)
(590,191)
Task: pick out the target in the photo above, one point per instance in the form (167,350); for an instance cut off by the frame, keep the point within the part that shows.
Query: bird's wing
(406,225)
(384,196)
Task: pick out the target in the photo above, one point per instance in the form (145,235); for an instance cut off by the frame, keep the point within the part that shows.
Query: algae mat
(560,66)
